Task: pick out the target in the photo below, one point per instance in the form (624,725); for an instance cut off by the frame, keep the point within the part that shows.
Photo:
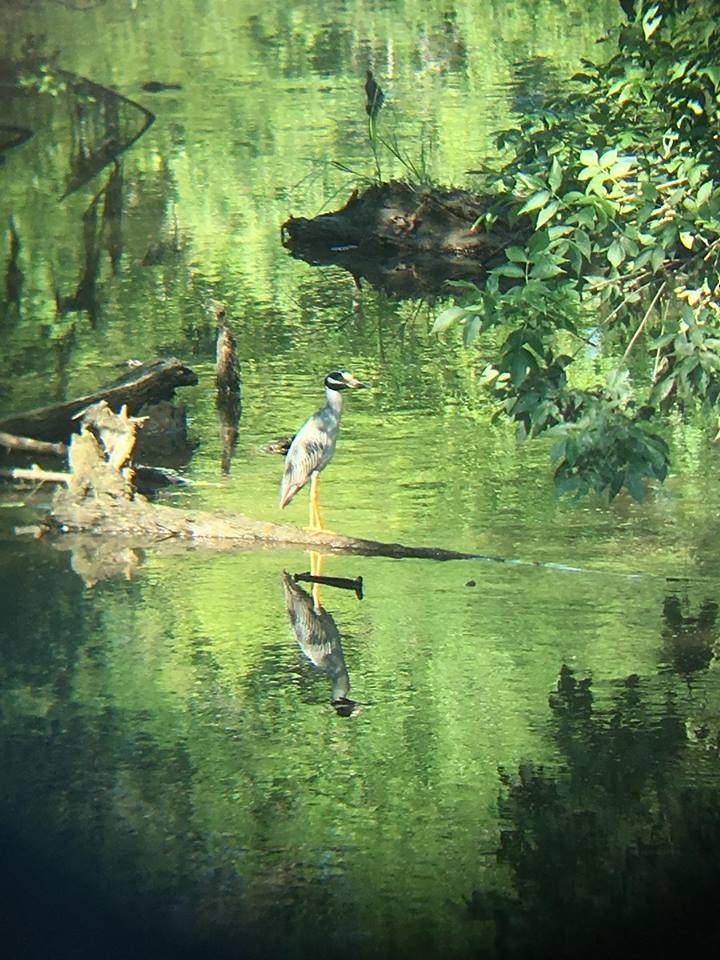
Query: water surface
(529,756)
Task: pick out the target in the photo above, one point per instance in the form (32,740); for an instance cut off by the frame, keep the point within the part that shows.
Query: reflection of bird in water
(319,640)
(314,444)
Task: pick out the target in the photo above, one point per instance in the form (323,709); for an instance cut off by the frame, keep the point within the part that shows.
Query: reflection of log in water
(343,583)
(12,136)
(98,233)
(228,408)
(691,641)
(112,216)
(319,639)
(85,296)
(14,276)
(98,131)
(227,376)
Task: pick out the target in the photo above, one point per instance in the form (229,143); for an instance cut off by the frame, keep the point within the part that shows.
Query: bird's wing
(310,450)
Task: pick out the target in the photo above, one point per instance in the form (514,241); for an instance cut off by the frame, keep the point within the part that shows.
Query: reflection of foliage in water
(616,833)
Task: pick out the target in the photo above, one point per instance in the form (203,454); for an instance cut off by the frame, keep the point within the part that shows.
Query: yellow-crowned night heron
(314,444)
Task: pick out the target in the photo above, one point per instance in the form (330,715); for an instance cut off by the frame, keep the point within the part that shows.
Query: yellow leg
(316,521)
(316,568)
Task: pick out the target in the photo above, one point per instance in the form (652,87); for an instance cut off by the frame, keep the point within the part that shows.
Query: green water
(532,754)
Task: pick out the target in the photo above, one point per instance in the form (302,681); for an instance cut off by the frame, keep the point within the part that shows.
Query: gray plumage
(318,637)
(314,444)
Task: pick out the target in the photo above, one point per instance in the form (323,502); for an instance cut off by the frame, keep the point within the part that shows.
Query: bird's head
(342,380)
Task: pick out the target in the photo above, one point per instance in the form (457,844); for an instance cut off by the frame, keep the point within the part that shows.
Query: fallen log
(99,498)
(149,382)
(100,504)
(406,240)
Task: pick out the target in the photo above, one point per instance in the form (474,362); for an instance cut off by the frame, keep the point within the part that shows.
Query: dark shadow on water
(608,852)
(691,640)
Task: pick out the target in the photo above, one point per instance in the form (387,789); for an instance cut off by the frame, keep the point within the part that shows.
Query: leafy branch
(612,195)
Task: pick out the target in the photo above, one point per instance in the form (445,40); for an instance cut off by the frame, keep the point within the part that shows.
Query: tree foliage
(613,194)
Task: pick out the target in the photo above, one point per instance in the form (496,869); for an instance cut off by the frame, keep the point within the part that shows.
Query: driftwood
(42,447)
(406,240)
(151,381)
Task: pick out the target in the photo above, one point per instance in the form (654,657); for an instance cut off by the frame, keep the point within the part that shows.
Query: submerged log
(146,383)
(401,238)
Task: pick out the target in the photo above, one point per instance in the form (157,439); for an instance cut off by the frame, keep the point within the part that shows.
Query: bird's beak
(354,383)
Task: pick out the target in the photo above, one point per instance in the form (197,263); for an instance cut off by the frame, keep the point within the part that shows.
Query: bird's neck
(334,401)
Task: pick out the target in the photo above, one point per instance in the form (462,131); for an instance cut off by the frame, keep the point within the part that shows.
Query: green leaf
(651,21)
(536,200)
(546,214)
(622,168)
(589,158)
(635,486)
(662,390)
(597,185)
(615,253)
(472,328)
(608,159)
(545,268)
(509,270)
(587,173)
(582,242)
(520,361)
(704,192)
(447,318)
(657,259)
(516,254)
(555,177)
(538,242)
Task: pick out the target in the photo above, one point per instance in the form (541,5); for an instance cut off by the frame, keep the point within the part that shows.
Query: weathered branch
(154,380)
(12,442)
(35,474)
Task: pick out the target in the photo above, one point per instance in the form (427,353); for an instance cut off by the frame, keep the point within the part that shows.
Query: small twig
(656,365)
(624,301)
(608,280)
(644,320)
